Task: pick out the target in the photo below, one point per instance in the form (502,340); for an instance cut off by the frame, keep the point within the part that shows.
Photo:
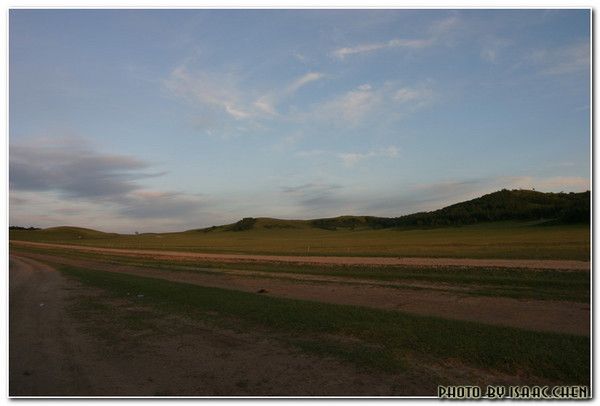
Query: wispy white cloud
(573,58)
(221,93)
(302,81)
(268,102)
(417,96)
(220,97)
(212,90)
(492,48)
(352,106)
(388,101)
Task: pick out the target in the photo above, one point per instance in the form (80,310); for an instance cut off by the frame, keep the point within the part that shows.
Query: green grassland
(383,340)
(507,239)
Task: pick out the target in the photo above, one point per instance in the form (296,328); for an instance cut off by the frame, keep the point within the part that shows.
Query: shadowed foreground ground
(134,333)
(52,353)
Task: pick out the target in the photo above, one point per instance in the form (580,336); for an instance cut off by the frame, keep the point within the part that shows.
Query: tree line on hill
(503,205)
(23,228)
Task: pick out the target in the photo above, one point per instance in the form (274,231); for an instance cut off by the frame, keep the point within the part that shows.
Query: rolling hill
(63,233)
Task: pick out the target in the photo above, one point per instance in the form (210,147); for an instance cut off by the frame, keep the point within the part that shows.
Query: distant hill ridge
(503,205)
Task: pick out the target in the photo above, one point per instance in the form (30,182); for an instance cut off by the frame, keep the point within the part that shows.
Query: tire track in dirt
(321,260)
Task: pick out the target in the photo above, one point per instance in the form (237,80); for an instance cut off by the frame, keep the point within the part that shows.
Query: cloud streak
(268,102)
(75,171)
(437,31)
(303,81)
(342,53)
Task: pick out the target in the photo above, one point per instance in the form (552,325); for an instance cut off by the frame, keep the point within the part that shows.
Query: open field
(536,283)
(501,240)
(338,329)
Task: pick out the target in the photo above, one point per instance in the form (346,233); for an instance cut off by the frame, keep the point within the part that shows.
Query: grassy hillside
(70,233)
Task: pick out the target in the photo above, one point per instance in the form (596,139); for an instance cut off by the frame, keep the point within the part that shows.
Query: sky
(168,120)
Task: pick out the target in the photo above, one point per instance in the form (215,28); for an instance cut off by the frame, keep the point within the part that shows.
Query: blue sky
(164,120)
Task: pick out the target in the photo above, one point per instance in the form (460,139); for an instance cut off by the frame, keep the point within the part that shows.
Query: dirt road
(42,351)
(540,315)
(174,255)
